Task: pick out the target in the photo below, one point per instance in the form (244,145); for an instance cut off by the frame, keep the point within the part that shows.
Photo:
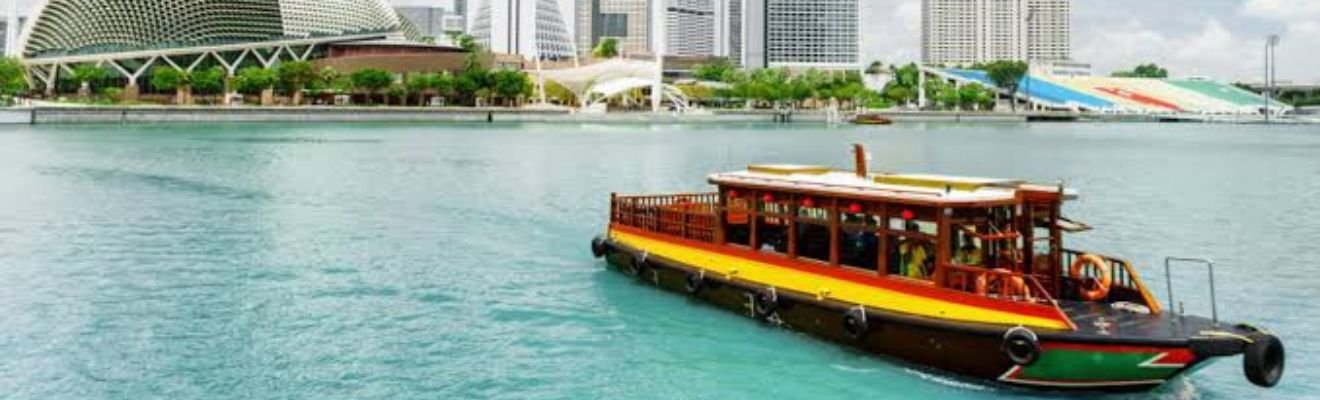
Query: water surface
(450,261)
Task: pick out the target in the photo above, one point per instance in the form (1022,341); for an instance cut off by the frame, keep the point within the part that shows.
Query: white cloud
(891,31)
(1297,55)
(1212,50)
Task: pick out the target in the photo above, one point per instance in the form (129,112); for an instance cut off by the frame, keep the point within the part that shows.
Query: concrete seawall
(150,114)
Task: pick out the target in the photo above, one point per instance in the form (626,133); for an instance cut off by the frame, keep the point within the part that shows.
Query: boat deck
(1096,320)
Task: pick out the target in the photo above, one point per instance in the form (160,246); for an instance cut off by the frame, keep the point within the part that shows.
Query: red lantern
(908,215)
(767,198)
(808,203)
(854,208)
(733,193)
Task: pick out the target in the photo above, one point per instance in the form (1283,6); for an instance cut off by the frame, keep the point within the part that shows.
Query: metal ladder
(1210,267)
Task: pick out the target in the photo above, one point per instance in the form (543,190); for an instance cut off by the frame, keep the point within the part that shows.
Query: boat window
(813,228)
(912,252)
(859,243)
(737,218)
(773,221)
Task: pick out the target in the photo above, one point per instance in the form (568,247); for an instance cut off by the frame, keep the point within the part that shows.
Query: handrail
(686,215)
(1035,288)
(1210,266)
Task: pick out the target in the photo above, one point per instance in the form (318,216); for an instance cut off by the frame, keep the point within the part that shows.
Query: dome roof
(67,27)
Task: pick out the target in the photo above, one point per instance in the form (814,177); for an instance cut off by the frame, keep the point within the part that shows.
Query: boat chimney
(859,161)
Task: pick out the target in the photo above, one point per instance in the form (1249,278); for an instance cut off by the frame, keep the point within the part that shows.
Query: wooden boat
(872,119)
(964,275)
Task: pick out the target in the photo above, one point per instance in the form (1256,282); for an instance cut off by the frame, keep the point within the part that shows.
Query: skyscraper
(690,28)
(430,21)
(801,34)
(530,28)
(969,31)
(629,21)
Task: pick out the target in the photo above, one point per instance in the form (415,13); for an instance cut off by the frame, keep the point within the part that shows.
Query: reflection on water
(415,261)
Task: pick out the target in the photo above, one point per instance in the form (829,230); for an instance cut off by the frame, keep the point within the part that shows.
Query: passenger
(969,254)
(914,255)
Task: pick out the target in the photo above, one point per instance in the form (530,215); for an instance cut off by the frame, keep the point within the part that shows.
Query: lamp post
(1270,43)
(1031,17)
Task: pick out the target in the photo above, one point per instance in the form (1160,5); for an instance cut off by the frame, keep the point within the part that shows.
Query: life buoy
(1021,346)
(598,248)
(693,282)
(765,302)
(1263,360)
(855,324)
(1101,289)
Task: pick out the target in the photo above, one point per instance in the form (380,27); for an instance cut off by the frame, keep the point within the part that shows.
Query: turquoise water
(414,261)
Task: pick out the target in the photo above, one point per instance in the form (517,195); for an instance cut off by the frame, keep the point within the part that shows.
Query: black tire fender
(639,265)
(765,302)
(598,247)
(694,282)
(1021,346)
(855,324)
(1263,360)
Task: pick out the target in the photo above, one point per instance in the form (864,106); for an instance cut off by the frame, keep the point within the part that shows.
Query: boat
(872,119)
(963,276)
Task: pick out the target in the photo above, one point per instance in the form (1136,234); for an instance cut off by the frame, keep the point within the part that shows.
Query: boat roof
(902,187)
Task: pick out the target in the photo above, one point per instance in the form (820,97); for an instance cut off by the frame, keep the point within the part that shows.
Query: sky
(1223,39)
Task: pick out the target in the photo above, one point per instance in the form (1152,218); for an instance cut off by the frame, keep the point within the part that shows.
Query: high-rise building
(530,28)
(801,34)
(970,31)
(430,21)
(733,30)
(690,28)
(628,21)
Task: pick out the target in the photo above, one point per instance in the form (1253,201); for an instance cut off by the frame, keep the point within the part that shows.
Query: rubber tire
(598,248)
(855,324)
(765,303)
(693,283)
(1021,346)
(638,266)
(1263,361)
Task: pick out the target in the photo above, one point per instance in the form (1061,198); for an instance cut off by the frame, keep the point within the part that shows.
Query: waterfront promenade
(44,115)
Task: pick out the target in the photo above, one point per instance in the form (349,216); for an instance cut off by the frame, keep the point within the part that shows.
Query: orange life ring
(1101,291)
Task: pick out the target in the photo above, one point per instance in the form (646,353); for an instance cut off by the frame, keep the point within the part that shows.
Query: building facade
(797,34)
(528,28)
(691,29)
(430,21)
(972,31)
(628,21)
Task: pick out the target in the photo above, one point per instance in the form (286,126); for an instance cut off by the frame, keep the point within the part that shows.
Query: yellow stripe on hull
(828,287)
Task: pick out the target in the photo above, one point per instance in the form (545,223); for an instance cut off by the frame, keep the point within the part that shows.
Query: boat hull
(971,350)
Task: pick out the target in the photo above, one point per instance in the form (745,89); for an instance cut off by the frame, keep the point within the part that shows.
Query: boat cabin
(998,238)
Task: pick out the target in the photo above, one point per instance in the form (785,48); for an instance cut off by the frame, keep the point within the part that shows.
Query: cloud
(1300,19)
(891,31)
(1211,50)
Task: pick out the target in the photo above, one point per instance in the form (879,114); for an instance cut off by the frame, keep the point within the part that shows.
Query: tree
(165,78)
(418,84)
(252,80)
(1007,75)
(1143,71)
(371,81)
(209,81)
(716,71)
(607,48)
(976,96)
(296,75)
(87,76)
(876,68)
(13,80)
(511,84)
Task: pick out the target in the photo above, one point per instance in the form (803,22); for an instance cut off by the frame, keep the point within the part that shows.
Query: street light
(1270,43)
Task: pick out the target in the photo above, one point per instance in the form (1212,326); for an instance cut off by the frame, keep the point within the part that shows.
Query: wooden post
(792,226)
(834,231)
(859,161)
(883,262)
(1028,229)
(753,214)
(721,217)
(943,253)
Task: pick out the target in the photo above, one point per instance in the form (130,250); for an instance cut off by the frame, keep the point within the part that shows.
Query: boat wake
(947,381)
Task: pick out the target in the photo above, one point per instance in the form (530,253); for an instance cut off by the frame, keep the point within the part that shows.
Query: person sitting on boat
(969,254)
(914,255)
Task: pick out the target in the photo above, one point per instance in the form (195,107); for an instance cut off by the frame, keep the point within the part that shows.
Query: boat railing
(1123,275)
(998,284)
(688,215)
